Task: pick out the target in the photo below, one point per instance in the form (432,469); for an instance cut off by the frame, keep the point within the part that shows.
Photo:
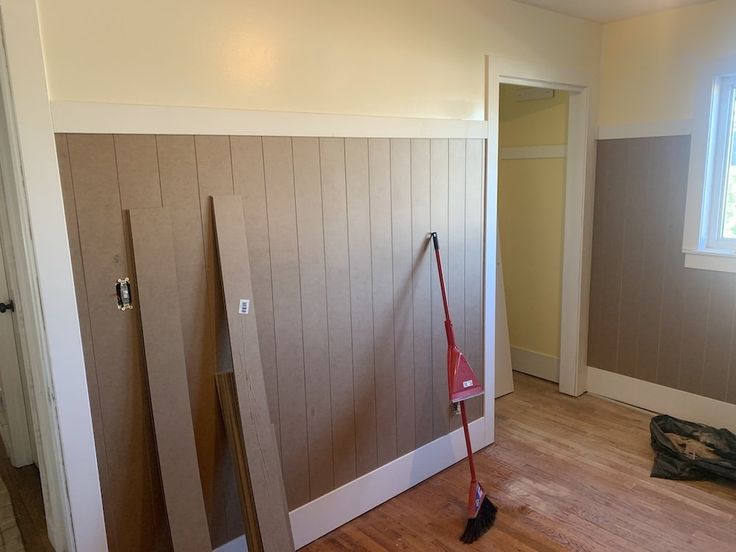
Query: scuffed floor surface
(10,539)
(567,474)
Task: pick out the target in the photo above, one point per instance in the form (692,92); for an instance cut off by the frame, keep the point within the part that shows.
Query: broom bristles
(481,523)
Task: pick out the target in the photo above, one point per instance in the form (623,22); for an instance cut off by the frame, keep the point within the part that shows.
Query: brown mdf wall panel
(420,219)
(650,317)
(308,195)
(287,309)
(474,171)
(440,150)
(180,194)
(379,166)
(337,274)
(350,322)
(455,257)
(401,236)
(250,184)
(361,302)
(118,371)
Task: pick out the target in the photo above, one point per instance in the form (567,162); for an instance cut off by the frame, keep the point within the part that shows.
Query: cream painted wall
(420,58)
(531,205)
(650,63)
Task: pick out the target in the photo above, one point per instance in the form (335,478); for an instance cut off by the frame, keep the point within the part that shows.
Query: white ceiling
(608,10)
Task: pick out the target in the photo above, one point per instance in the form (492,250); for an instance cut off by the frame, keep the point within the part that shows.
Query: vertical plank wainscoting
(350,323)
(651,318)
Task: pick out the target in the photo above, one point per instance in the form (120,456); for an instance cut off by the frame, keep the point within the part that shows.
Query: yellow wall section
(531,217)
(650,63)
(420,58)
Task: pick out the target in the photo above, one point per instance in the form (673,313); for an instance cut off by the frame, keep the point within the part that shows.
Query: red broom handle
(467,440)
(448,322)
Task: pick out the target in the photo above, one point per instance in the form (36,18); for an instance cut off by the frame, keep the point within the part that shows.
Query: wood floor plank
(567,474)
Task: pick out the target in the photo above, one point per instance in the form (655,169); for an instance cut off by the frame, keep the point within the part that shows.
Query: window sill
(710,259)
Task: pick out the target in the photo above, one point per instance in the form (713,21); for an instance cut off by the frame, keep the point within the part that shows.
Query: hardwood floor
(24,486)
(567,474)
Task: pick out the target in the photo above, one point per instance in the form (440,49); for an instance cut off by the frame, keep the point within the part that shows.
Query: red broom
(463,385)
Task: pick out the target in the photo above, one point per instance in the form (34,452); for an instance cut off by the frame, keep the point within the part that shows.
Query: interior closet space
(533,129)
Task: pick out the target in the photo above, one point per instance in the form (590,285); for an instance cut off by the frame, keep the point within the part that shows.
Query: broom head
(464,383)
(481,514)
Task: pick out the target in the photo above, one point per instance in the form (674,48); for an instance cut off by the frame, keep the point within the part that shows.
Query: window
(719,228)
(710,219)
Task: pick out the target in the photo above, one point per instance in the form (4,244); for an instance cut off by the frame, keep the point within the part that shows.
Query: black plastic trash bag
(686,450)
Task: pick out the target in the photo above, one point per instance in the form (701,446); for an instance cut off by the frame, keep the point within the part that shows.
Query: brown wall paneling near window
(650,317)
(350,326)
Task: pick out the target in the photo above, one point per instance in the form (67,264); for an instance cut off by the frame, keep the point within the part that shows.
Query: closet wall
(345,289)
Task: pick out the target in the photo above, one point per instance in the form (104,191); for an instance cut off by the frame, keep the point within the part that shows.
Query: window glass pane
(729,214)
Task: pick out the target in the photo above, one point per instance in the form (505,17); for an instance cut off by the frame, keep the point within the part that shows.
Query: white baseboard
(535,364)
(328,512)
(661,399)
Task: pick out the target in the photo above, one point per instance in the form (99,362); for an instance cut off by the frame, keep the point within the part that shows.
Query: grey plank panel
(128,504)
(612,243)
(337,274)
(473,281)
(697,286)
(155,266)
(420,219)
(310,233)
(454,258)
(361,302)
(632,255)
(259,438)
(379,165)
(180,195)
(279,172)
(401,231)
(439,223)
(673,285)
(602,197)
(654,196)
(718,346)
(250,184)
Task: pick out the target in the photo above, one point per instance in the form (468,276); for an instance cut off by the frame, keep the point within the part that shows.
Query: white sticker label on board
(244,306)
(467,383)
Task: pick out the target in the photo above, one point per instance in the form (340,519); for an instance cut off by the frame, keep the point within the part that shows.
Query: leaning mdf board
(264,464)
(157,287)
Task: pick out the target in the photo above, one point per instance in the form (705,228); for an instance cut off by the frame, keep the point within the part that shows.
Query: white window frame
(703,243)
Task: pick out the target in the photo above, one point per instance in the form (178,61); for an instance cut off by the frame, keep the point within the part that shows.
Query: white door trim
(578,202)
(45,295)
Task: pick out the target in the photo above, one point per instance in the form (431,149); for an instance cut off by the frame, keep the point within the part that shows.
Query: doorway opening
(537,84)
(533,124)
